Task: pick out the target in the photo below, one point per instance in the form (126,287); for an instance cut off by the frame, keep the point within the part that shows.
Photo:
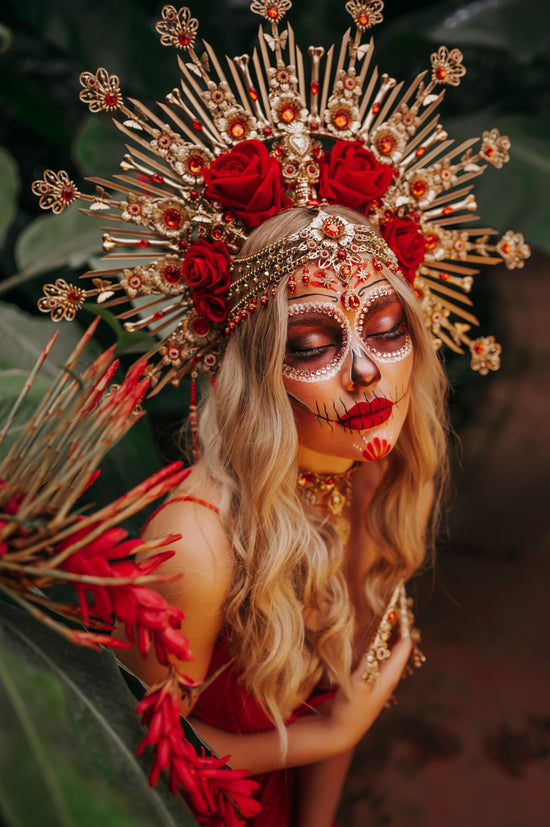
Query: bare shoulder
(202,566)
(202,555)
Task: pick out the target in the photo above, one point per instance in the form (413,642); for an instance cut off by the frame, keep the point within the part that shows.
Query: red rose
(248,181)
(407,242)
(351,176)
(206,271)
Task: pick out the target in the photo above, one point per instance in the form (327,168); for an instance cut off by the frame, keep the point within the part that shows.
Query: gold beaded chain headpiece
(237,145)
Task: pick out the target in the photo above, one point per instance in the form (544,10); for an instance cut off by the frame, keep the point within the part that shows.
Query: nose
(363,371)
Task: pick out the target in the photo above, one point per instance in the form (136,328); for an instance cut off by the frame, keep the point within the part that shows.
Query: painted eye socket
(316,342)
(383,325)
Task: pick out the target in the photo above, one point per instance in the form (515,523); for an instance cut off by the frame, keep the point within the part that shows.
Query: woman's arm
(335,729)
(203,557)
(321,787)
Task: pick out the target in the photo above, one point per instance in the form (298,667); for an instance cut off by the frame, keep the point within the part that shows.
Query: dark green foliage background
(44,45)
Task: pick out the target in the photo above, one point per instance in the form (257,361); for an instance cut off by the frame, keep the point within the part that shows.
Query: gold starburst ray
(326,79)
(437,287)
(194,99)
(261,86)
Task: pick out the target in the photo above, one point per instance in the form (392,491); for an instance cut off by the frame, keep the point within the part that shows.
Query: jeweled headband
(230,150)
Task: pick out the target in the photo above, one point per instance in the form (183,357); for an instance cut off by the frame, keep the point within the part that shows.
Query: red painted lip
(367,414)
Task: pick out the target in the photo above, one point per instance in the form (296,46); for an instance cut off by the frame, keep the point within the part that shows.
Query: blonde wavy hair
(289,609)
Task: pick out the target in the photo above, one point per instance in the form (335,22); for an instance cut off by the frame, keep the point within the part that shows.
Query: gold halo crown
(233,147)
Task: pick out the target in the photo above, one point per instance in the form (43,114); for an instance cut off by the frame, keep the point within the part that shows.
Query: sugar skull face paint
(348,371)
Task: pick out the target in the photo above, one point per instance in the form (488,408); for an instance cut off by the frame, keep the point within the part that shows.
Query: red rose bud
(351,176)
(248,181)
(404,237)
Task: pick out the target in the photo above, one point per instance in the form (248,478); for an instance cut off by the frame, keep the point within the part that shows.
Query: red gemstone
(217,232)
(479,348)
(111,99)
(341,254)
(273,12)
(420,151)
(376,108)
(238,129)
(314,127)
(363,20)
(351,301)
(441,73)
(267,131)
(314,87)
(447,210)
(252,94)
(74,297)
(158,179)
(201,326)
(158,315)
(332,228)
(386,144)
(444,277)
(341,120)
(172,218)
(288,114)
(195,165)
(173,274)
(67,194)
(182,244)
(489,151)
(419,188)
(184,39)
(142,243)
(196,124)
(431,241)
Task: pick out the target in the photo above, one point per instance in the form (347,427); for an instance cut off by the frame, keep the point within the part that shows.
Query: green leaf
(9,188)
(99,147)
(23,337)
(52,242)
(501,24)
(516,196)
(69,735)
(11,385)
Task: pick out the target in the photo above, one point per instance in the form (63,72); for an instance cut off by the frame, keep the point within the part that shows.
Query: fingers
(391,671)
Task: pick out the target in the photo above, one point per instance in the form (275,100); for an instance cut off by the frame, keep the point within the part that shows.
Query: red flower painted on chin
(376,449)
(206,271)
(404,237)
(350,175)
(248,181)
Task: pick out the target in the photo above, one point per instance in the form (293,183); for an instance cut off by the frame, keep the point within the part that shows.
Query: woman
(285,582)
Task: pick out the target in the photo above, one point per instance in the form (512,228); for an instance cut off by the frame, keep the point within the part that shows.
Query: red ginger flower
(217,794)
(145,613)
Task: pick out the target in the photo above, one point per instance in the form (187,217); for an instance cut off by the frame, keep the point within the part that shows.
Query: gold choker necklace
(330,491)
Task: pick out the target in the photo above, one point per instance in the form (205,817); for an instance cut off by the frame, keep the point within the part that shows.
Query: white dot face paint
(318,341)
(348,371)
(381,324)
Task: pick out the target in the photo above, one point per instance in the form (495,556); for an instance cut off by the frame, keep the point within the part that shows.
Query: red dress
(226,705)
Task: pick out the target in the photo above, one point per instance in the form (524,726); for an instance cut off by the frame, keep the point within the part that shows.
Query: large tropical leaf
(23,336)
(9,187)
(69,735)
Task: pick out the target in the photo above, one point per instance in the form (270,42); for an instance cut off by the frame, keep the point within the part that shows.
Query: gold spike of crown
(228,151)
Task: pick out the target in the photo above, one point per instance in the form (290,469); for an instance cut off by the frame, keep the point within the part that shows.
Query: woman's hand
(348,719)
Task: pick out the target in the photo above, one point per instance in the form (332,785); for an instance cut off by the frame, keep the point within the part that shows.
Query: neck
(321,463)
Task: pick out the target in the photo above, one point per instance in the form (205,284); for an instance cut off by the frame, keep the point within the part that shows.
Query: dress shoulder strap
(187,498)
